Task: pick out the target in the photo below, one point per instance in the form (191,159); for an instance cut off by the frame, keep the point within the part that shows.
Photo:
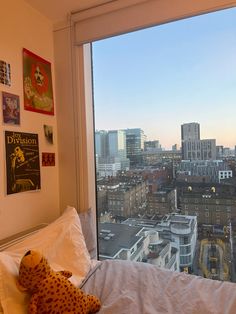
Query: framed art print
(37,80)
(10,108)
(5,73)
(48,159)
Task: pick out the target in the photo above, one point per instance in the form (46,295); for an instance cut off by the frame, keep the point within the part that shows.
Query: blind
(121,16)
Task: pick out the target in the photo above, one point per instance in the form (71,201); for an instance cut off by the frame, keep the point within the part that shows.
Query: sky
(161,77)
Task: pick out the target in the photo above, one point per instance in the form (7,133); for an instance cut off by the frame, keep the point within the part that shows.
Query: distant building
(215,205)
(162,202)
(152,158)
(152,146)
(108,167)
(111,152)
(118,241)
(225,174)
(136,243)
(135,145)
(128,199)
(161,253)
(101,144)
(203,170)
(219,152)
(226,152)
(194,148)
(175,147)
(208,149)
(180,230)
(190,131)
(125,196)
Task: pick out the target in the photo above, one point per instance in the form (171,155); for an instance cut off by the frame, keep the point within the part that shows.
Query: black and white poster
(22,162)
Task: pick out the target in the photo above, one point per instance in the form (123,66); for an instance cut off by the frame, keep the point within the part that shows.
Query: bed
(122,286)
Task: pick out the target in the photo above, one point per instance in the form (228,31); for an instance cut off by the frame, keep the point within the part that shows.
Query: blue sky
(161,77)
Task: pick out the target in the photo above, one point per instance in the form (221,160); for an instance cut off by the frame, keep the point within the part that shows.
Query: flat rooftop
(114,237)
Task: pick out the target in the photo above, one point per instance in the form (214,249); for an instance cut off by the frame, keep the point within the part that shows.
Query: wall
(23,27)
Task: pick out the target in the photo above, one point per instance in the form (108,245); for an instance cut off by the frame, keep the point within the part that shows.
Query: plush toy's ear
(20,287)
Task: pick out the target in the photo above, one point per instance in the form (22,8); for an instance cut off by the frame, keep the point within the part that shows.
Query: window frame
(126,13)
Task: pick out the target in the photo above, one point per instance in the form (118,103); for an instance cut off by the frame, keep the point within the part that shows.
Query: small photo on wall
(48,132)
(37,80)
(48,159)
(5,73)
(10,108)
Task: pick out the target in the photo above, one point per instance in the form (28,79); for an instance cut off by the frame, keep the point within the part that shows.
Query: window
(131,135)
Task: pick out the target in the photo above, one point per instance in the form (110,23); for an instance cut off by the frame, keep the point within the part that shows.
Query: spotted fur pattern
(53,293)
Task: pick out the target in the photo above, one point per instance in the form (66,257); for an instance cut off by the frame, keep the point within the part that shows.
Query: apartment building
(210,204)
(208,170)
(128,199)
(180,230)
(136,243)
(162,202)
(193,147)
(118,241)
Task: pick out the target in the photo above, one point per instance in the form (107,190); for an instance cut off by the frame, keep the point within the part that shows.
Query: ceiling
(58,11)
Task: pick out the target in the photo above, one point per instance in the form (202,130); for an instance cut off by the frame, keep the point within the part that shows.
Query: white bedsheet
(131,287)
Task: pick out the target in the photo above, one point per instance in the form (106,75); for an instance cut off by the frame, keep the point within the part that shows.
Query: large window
(164,103)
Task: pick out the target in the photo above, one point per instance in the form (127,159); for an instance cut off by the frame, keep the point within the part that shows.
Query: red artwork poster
(37,80)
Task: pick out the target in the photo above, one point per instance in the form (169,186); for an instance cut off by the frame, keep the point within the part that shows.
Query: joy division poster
(5,73)
(10,108)
(22,162)
(37,79)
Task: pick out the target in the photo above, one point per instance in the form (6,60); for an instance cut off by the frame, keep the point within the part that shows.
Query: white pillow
(12,300)
(63,244)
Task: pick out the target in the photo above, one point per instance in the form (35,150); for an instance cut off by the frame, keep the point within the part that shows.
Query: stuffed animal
(51,291)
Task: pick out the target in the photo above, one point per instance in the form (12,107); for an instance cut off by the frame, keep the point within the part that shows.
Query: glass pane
(164,103)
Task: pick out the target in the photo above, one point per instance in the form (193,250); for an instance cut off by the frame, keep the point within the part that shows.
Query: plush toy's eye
(28,253)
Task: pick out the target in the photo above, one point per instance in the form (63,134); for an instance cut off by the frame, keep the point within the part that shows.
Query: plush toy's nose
(28,253)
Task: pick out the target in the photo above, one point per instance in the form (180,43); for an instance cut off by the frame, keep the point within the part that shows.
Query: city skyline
(173,144)
(162,77)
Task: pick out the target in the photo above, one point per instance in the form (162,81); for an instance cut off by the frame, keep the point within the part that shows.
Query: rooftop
(114,237)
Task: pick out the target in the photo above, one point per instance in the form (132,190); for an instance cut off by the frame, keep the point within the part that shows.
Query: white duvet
(137,288)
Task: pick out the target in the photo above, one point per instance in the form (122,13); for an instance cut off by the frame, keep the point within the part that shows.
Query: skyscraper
(193,148)
(190,131)
(135,145)
(117,143)
(111,152)
(101,143)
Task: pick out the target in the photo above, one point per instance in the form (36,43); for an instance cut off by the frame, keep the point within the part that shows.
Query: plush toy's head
(33,269)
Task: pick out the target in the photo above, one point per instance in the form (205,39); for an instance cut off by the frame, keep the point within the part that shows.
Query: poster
(48,159)
(10,108)
(22,162)
(5,73)
(37,80)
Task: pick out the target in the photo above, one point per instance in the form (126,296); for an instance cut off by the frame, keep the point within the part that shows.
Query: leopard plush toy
(51,291)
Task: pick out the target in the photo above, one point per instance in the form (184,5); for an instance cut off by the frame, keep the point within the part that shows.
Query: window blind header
(122,16)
